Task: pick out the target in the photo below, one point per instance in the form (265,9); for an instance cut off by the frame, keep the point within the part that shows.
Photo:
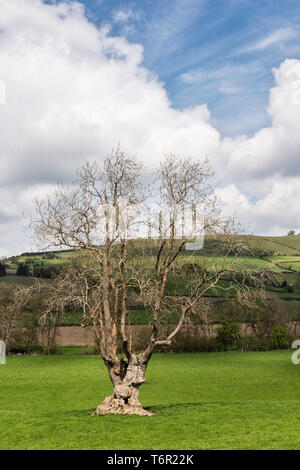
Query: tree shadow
(172,405)
(80,413)
(157,408)
(183,406)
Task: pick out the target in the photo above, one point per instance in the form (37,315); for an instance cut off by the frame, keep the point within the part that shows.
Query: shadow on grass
(89,413)
(183,406)
(157,409)
(160,409)
(79,413)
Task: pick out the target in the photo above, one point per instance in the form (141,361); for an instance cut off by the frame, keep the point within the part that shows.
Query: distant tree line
(25,269)
(38,253)
(2,269)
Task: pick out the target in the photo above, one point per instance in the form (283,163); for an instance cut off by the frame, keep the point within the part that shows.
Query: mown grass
(203,401)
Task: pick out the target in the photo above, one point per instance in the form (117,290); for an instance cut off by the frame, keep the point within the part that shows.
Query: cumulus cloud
(275,149)
(73,91)
(274,213)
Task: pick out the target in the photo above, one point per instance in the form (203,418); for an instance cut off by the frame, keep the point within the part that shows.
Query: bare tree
(13,299)
(89,217)
(261,311)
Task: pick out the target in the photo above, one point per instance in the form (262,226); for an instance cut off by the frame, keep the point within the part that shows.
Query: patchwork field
(203,401)
(286,264)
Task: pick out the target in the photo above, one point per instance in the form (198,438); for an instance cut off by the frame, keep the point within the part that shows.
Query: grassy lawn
(203,401)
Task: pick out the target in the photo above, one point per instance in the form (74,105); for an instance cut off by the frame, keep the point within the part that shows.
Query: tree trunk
(125,399)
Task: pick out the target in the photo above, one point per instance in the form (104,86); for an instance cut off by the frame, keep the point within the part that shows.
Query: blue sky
(219,52)
(215,78)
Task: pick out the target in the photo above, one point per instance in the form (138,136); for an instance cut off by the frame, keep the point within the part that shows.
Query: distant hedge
(2,270)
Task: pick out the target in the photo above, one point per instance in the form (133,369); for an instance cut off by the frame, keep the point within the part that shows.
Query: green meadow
(230,400)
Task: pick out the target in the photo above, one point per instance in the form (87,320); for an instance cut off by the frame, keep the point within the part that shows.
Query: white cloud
(231,77)
(279,36)
(194,76)
(228,89)
(272,150)
(73,92)
(122,16)
(275,213)
(127,18)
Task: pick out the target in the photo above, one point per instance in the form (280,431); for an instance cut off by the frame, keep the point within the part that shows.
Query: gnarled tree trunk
(126,381)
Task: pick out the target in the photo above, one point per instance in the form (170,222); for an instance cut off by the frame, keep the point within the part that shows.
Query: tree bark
(125,399)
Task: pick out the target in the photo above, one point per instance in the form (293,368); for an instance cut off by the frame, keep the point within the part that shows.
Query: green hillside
(278,254)
(276,246)
(55,259)
(287,245)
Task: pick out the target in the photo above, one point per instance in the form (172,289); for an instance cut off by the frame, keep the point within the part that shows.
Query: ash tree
(97,216)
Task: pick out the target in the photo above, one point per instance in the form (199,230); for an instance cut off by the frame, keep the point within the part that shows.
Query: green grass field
(289,245)
(203,401)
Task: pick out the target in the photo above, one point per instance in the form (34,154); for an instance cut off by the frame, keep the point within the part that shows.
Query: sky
(215,78)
